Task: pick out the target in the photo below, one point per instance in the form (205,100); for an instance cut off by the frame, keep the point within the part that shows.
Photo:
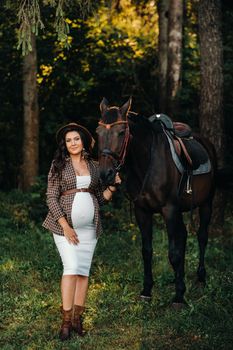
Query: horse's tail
(224,178)
(224,175)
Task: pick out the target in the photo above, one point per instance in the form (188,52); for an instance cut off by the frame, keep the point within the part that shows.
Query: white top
(83,181)
(83,207)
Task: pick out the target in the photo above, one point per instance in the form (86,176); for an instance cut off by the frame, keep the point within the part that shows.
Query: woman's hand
(68,231)
(70,235)
(112,188)
(117,179)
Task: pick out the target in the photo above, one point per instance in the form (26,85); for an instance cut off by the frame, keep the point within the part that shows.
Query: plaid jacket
(60,206)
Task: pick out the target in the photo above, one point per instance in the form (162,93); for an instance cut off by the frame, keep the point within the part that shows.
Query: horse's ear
(104,106)
(126,107)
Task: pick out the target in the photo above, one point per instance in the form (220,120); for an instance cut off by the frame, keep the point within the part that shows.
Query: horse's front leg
(144,220)
(177,236)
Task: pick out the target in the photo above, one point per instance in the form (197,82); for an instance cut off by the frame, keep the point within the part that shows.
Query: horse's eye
(121,132)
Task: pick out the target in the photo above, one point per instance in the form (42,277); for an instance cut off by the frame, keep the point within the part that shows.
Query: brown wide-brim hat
(78,127)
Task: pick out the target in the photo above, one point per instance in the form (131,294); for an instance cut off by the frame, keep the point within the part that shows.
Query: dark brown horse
(155,186)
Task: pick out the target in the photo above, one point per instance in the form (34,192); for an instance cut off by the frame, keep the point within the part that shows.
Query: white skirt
(76,259)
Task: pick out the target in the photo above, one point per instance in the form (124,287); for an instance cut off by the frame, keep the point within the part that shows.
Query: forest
(58,59)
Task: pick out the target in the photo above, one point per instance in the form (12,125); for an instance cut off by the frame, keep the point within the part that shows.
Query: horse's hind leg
(177,236)
(144,220)
(205,214)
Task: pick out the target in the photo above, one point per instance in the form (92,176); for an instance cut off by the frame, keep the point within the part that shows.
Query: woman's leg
(73,286)
(68,287)
(79,302)
(68,284)
(81,290)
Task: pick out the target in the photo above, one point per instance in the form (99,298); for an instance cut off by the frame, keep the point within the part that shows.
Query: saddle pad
(202,169)
(196,151)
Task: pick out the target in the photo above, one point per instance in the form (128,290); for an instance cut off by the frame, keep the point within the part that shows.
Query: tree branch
(30,21)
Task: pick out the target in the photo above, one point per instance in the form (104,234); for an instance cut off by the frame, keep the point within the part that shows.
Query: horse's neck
(139,154)
(146,147)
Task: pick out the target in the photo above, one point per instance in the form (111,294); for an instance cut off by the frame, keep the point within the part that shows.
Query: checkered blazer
(60,206)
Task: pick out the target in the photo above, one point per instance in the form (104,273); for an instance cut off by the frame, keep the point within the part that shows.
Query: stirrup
(188,189)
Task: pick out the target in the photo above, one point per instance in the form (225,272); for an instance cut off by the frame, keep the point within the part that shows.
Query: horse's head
(113,138)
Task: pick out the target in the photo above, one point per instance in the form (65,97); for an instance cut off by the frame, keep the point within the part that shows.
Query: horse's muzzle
(108,176)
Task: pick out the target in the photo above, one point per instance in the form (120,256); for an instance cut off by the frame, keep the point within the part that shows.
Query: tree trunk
(163,6)
(31,119)
(211,101)
(115,5)
(175,22)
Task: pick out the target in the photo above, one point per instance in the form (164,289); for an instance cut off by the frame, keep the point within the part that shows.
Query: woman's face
(73,143)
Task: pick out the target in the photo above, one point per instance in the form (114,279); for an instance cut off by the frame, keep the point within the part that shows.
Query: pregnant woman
(74,194)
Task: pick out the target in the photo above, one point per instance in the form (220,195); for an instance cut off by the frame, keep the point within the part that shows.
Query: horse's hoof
(178,306)
(200,284)
(145,297)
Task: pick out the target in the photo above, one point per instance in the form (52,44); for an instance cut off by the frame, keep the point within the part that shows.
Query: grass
(115,318)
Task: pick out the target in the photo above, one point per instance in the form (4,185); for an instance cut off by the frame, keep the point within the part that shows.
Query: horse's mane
(142,121)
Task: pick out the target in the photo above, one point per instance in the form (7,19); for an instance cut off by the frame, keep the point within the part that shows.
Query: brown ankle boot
(77,323)
(66,325)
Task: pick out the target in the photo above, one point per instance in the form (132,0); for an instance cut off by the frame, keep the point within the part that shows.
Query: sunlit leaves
(45,71)
(132,27)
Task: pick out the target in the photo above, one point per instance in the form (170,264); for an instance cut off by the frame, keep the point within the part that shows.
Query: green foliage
(113,53)
(24,209)
(108,58)
(11,102)
(115,318)
(30,20)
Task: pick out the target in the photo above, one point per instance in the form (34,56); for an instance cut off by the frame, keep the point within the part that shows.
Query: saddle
(191,152)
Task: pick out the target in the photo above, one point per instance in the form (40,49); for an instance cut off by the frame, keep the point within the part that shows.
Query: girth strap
(185,151)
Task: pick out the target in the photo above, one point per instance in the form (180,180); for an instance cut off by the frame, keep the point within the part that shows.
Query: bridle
(118,159)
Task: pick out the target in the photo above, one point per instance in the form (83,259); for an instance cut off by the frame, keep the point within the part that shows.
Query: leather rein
(119,159)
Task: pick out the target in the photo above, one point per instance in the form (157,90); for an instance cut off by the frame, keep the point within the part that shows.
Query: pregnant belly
(82,210)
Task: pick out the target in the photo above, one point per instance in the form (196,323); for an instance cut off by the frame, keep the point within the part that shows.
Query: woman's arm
(109,192)
(53,194)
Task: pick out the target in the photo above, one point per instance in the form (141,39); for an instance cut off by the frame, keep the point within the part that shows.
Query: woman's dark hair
(61,154)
